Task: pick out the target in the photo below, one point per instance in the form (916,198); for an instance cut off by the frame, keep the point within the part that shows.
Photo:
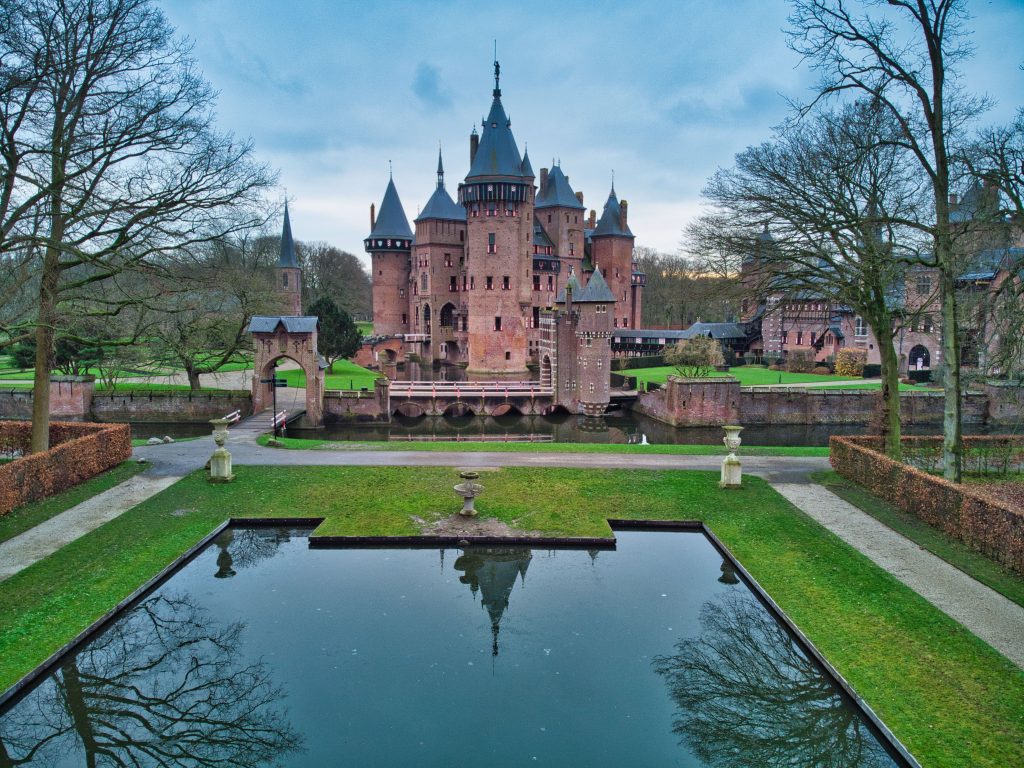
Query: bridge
(470,398)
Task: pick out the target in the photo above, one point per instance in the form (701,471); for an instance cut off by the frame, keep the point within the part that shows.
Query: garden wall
(362,405)
(693,402)
(77,452)
(169,407)
(986,524)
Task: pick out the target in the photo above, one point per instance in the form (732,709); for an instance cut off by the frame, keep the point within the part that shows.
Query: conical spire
(526,168)
(391,221)
(611,222)
(497,155)
(557,192)
(287,257)
(440,168)
(440,205)
(597,290)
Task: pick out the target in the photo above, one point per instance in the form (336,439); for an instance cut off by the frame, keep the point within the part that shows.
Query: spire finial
(440,167)
(497,73)
(613,181)
(391,171)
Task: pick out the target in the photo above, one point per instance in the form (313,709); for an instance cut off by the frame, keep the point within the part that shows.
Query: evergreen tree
(338,336)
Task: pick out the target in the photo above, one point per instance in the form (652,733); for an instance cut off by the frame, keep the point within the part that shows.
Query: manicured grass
(947,695)
(347,375)
(748,375)
(365,327)
(21,519)
(954,552)
(498,447)
(146,386)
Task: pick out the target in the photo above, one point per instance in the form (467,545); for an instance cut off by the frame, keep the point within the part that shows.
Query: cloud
(427,87)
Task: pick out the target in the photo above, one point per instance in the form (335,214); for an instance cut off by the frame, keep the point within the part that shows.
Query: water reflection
(165,686)
(492,571)
(748,697)
(246,547)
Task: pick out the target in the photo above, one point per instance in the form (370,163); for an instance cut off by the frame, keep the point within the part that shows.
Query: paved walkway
(986,613)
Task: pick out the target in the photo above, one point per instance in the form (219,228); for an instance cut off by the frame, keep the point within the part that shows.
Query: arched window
(919,358)
(447,315)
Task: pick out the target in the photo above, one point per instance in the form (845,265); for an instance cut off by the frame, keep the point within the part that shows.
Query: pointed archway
(293,338)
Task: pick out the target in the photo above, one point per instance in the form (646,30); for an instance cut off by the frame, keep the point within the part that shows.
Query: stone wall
(359,406)
(1005,401)
(15,403)
(693,402)
(718,401)
(168,407)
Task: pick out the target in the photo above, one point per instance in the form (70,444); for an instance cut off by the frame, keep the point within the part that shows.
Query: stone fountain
(468,489)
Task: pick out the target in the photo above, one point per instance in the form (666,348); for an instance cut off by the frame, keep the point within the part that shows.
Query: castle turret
(389,245)
(563,217)
(593,305)
(289,273)
(498,197)
(438,271)
(612,248)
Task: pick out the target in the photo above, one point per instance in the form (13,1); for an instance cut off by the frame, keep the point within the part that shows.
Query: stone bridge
(465,398)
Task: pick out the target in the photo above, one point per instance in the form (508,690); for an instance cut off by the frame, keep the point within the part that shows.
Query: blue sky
(662,93)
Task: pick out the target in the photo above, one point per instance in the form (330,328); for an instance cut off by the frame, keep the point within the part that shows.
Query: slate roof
(292,324)
(717,331)
(497,155)
(440,205)
(596,291)
(573,283)
(540,237)
(391,219)
(610,223)
(287,257)
(526,168)
(557,192)
(988,263)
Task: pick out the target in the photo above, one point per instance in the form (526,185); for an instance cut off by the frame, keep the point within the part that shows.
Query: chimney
(579,196)
(593,219)
(474,144)
(568,299)
(373,216)
(623,212)
(543,180)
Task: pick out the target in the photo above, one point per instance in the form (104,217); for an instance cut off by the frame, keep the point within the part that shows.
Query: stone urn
(468,489)
(220,461)
(732,470)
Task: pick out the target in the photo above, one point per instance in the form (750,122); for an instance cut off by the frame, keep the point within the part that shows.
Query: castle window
(510,210)
(585,362)
(423,282)
(572,248)
(490,283)
(462,235)
(447,259)
(927,325)
(549,218)
(600,363)
(536,317)
(551,282)
(284,279)
(492,210)
(591,387)
(491,246)
(799,338)
(401,293)
(453,284)
(497,323)
(405,319)
(508,355)
(536,282)
(812,338)
(924,285)
(861,328)
(785,337)
(475,210)
(625,322)
(505,283)
(615,322)
(472,282)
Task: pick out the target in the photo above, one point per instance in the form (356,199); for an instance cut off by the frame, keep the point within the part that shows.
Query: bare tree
(842,199)
(328,272)
(111,160)
(912,77)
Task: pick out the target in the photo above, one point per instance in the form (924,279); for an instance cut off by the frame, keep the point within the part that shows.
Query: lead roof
(557,192)
(391,220)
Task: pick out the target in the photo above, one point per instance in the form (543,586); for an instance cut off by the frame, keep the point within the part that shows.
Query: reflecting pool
(263,652)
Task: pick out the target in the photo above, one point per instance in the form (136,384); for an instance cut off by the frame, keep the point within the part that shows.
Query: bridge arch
(506,409)
(409,410)
(457,409)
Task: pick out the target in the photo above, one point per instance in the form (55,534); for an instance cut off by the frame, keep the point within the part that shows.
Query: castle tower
(289,274)
(498,197)
(389,245)
(438,272)
(594,306)
(612,248)
(561,213)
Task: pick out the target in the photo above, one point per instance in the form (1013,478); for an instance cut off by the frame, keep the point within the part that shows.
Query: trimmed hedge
(919,376)
(987,525)
(627,363)
(77,452)
(872,370)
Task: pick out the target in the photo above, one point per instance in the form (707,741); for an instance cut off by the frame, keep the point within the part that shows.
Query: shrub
(822,370)
(695,357)
(626,363)
(799,362)
(872,370)
(851,362)
(77,452)
(919,376)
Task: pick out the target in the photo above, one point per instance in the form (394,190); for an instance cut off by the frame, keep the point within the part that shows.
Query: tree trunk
(193,379)
(78,708)
(952,427)
(45,334)
(890,421)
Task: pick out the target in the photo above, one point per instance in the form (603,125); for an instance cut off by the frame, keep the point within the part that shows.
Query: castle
(470,285)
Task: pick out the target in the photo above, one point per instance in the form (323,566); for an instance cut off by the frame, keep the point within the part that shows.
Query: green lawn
(947,695)
(515,447)
(365,327)
(128,386)
(748,375)
(935,541)
(347,375)
(21,519)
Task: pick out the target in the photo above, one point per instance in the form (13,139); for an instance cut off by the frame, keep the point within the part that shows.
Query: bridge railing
(468,389)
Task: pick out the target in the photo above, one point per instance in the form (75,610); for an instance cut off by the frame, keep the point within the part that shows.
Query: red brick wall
(391,290)
(683,402)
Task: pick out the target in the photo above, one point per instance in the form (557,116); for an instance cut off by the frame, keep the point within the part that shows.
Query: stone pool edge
(428,541)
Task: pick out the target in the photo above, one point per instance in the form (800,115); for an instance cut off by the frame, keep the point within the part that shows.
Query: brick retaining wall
(169,407)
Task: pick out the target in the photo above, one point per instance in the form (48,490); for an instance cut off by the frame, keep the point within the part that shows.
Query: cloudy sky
(662,93)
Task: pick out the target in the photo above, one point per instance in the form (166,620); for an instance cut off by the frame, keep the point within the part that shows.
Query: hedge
(627,363)
(77,452)
(987,525)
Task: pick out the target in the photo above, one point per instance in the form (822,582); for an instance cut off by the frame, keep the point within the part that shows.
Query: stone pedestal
(732,469)
(220,461)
